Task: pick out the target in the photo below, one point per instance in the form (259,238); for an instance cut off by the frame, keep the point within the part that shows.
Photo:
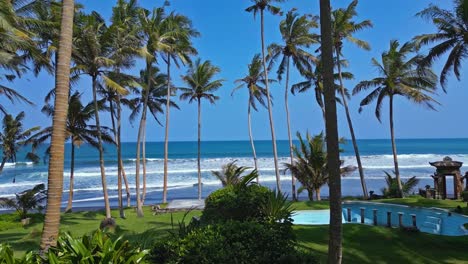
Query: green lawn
(362,244)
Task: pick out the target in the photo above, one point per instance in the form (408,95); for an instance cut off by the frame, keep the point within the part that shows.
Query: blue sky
(230,37)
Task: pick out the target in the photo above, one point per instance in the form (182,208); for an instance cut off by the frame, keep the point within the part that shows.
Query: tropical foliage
(230,174)
(26,200)
(392,189)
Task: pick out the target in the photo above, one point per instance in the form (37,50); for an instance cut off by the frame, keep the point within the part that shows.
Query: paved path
(186,204)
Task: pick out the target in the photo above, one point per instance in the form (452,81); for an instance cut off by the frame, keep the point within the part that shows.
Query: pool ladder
(432,224)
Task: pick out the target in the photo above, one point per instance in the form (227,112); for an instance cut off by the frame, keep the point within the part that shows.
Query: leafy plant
(26,200)
(277,208)
(391,191)
(230,173)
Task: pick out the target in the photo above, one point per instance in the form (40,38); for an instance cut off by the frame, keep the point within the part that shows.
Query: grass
(361,243)
(140,231)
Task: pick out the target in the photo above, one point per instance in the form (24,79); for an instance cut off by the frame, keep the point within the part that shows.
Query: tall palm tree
(260,6)
(399,75)
(344,28)
(331,125)
(78,131)
(201,85)
(451,37)
(62,85)
(152,98)
(295,32)
(125,45)
(13,137)
(92,56)
(254,82)
(178,49)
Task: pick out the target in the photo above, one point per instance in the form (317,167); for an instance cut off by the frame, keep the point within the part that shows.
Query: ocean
(414,157)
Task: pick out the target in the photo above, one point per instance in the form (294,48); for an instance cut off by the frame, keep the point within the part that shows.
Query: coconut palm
(254,82)
(451,37)
(399,75)
(230,173)
(343,29)
(392,191)
(296,35)
(92,56)
(199,79)
(78,131)
(62,85)
(178,50)
(26,200)
(310,164)
(152,98)
(125,44)
(314,80)
(13,137)
(331,125)
(260,6)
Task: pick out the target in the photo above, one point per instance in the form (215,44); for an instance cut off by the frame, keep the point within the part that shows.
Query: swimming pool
(428,220)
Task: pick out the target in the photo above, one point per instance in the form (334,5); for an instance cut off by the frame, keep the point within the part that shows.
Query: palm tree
(310,165)
(91,54)
(78,131)
(26,200)
(399,75)
(295,32)
(344,28)
(178,49)
(260,6)
(230,173)
(314,80)
(152,98)
(451,37)
(331,124)
(62,85)
(392,191)
(254,82)
(13,137)
(125,45)
(201,85)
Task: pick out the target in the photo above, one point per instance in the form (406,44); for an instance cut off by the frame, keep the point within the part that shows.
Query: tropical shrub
(235,203)
(7,256)
(233,242)
(391,191)
(26,201)
(230,173)
(98,247)
(464,196)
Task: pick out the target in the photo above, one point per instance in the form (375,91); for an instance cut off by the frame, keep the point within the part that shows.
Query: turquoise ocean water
(414,158)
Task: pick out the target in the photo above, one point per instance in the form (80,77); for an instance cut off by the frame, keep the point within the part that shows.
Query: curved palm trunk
(395,156)
(62,84)
(72,171)
(199,152)
(166,134)
(121,173)
(124,176)
(137,168)
(119,168)
(286,92)
(101,150)
(4,160)
(319,99)
(333,156)
(270,112)
(310,194)
(317,194)
(251,139)
(351,129)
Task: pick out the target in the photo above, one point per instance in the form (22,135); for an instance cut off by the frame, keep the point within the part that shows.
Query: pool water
(428,220)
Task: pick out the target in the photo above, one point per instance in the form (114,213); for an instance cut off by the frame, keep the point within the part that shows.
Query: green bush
(233,242)
(235,203)
(464,196)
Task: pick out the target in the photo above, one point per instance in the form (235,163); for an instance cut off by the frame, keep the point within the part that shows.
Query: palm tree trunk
(127,188)
(319,99)
(251,139)
(3,164)
(119,168)
(62,85)
(72,170)
(144,166)
(351,129)
(199,152)
(270,112)
(166,134)
(317,194)
(333,150)
(101,150)
(310,194)
(119,157)
(395,156)
(286,93)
